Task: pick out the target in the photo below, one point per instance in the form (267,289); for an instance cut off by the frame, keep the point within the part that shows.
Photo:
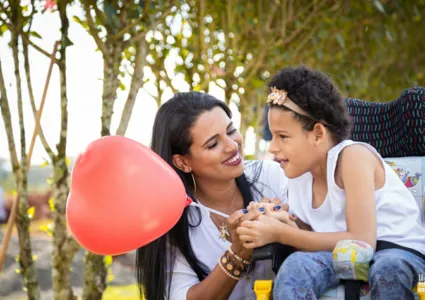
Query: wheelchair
(397,130)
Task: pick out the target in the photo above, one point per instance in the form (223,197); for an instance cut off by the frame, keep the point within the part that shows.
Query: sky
(84,72)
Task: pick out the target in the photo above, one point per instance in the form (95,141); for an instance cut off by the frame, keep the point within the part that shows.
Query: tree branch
(136,84)
(306,39)
(127,28)
(27,41)
(168,82)
(7,119)
(99,14)
(201,29)
(304,25)
(255,65)
(93,31)
(32,100)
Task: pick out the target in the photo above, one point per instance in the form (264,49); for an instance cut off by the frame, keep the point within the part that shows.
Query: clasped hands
(260,223)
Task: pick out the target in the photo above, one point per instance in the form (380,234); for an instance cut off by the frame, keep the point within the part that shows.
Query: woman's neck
(216,195)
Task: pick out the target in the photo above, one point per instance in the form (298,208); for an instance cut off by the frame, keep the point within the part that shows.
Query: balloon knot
(188,201)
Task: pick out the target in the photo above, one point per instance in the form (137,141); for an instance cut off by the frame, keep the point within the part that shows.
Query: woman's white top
(209,247)
(398,215)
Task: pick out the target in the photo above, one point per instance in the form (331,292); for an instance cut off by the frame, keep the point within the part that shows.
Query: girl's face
(216,151)
(294,148)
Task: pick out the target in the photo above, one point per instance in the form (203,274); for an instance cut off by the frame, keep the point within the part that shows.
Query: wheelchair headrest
(395,128)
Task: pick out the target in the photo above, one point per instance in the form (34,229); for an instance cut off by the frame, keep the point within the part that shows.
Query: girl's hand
(276,201)
(264,230)
(280,214)
(278,210)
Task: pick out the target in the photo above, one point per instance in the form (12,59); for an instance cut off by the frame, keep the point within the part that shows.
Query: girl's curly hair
(314,92)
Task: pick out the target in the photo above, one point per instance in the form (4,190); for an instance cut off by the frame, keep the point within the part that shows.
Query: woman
(201,257)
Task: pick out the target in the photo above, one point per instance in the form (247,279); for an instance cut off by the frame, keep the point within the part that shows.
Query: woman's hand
(252,212)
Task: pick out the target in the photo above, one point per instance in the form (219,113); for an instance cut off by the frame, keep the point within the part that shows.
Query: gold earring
(194,184)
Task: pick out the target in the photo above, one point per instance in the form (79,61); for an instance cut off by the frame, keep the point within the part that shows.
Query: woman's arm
(185,284)
(217,285)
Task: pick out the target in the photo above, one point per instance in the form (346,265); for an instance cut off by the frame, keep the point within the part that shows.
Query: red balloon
(123,196)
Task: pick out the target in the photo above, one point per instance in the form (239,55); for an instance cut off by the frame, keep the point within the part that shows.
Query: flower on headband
(277,96)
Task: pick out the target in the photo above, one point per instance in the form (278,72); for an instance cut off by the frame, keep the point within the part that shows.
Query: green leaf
(81,22)
(379,6)
(340,40)
(122,86)
(319,54)
(323,34)
(257,82)
(3,29)
(35,34)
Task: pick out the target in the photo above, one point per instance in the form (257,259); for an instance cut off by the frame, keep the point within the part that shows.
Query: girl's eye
(283,136)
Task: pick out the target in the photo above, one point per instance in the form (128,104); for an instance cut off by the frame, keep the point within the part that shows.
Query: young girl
(339,190)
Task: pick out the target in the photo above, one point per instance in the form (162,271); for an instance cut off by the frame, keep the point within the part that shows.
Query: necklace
(223,229)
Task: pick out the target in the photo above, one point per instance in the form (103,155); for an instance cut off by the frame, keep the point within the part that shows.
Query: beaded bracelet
(238,257)
(230,267)
(226,272)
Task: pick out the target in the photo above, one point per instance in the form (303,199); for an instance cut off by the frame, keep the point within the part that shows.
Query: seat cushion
(411,171)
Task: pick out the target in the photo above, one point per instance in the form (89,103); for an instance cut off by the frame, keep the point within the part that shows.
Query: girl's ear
(180,162)
(320,133)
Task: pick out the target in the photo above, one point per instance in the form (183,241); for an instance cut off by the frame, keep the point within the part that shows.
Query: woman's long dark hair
(171,135)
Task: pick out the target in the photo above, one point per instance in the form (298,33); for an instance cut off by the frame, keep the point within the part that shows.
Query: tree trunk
(64,246)
(111,70)
(22,221)
(94,266)
(94,277)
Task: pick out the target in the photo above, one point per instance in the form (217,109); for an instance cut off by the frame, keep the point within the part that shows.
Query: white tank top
(398,215)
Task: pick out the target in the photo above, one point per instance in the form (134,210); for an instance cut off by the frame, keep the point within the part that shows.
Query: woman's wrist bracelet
(231,267)
(246,262)
(227,273)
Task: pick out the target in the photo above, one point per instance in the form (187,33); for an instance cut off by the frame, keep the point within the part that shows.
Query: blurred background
(117,61)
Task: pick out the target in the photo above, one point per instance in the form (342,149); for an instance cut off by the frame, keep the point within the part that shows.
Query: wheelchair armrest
(351,261)
(276,252)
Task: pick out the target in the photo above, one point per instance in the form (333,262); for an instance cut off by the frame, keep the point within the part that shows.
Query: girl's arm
(359,172)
